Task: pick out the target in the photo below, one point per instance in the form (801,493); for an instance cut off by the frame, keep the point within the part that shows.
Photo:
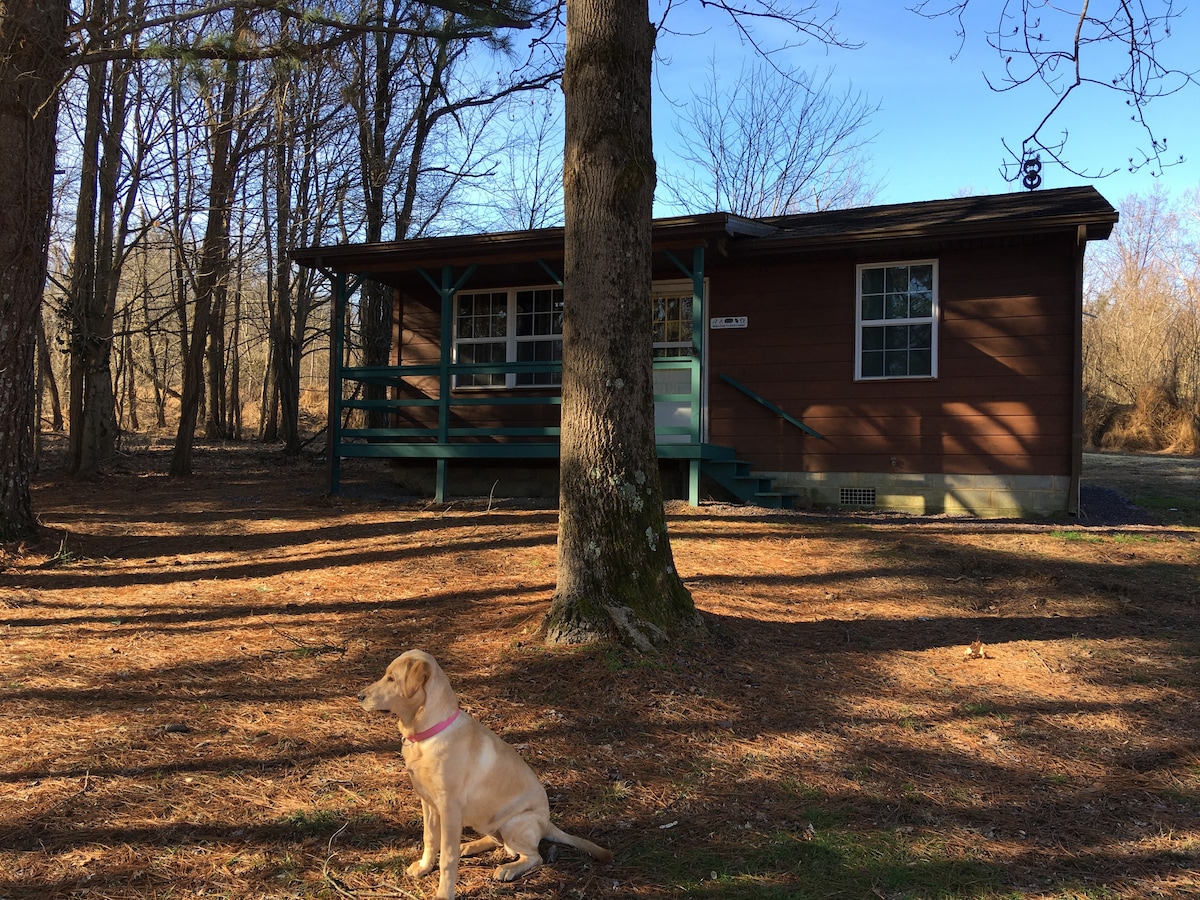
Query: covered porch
(441,399)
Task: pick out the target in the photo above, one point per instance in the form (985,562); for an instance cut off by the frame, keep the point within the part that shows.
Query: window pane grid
(671,324)
(539,319)
(481,352)
(896,311)
(525,325)
(522,325)
(539,312)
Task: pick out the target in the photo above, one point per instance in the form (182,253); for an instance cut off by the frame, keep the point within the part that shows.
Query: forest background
(185,178)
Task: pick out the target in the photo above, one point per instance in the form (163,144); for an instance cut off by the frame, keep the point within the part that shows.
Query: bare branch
(1068,50)
(804,19)
(99,41)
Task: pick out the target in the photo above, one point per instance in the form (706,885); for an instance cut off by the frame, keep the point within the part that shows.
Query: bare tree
(303,172)
(526,190)
(110,172)
(32,60)
(771,143)
(227,149)
(1110,46)
(616,576)
(35,37)
(403,91)
(1142,328)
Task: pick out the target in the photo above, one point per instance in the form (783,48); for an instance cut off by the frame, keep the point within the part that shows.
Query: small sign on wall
(727,322)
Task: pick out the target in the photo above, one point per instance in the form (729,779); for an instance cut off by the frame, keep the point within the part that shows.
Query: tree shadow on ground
(828,738)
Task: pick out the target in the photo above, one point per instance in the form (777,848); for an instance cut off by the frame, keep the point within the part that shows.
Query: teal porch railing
(441,440)
(767,404)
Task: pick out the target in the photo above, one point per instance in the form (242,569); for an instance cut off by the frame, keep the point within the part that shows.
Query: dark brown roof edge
(682,231)
(1052,209)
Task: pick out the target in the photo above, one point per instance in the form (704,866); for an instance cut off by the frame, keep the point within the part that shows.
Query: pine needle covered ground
(886,707)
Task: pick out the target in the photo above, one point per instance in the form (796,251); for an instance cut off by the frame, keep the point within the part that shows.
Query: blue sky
(939,129)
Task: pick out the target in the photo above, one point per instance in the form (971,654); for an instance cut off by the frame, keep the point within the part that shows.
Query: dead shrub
(1156,423)
(1098,414)
(1187,433)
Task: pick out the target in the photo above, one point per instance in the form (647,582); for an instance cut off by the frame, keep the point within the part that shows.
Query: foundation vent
(858,496)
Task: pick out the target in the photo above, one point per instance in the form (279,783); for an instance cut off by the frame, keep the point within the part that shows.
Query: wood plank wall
(1001,402)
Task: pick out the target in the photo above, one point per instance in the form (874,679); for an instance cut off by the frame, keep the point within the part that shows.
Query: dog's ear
(414,677)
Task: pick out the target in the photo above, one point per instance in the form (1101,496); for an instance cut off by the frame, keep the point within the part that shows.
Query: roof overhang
(708,230)
(1081,210)
(992,216)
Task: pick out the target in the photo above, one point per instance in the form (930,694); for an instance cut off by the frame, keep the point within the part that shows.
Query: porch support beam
(558,279)
(446,290)
(343,287)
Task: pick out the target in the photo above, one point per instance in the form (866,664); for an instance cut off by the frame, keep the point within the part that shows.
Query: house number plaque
(727,322)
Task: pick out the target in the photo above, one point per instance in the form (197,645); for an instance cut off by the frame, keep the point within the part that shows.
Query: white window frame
(861,324)
(464,381)
(510,339)
(667,290)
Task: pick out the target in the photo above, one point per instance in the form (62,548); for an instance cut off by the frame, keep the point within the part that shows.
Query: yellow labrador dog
(464,775)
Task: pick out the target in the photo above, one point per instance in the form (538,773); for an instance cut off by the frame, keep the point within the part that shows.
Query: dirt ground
(1165,488)
(884,706)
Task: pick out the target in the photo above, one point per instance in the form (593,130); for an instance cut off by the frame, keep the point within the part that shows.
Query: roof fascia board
(512,246)
(1097,229)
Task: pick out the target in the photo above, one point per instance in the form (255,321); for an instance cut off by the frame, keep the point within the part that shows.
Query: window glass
(496,327)
(539,315)
(671,323)
(897,320)
(480,352)
(525,325)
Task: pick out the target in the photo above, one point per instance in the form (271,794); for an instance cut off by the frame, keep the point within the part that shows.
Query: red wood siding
(420,337)
(421,345)
(1002,401)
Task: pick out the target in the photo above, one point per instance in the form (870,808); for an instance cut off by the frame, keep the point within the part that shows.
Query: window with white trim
(481,335)
(671,321)
(539,323)
(525,325)
(897,320)
(515,325)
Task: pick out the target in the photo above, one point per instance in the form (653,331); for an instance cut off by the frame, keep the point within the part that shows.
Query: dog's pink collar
(435,730)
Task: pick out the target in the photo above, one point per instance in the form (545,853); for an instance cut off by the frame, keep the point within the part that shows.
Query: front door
(677,369)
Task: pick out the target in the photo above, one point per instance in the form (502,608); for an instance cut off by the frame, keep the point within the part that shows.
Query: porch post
(337,345)
(697,372)
(447,347)
(446,290)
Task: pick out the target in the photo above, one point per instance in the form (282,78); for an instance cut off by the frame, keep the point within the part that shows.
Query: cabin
(921,357)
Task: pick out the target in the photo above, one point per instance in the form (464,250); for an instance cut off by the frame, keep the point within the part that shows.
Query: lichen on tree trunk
(616,574)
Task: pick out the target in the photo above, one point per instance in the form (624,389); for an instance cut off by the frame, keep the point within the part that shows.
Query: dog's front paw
(420,868)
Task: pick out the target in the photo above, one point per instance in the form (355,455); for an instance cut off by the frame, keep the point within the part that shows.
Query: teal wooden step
(737,478)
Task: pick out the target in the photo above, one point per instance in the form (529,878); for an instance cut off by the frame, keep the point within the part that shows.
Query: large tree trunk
(101,230)
(214,263)
(32,35)
(616,575)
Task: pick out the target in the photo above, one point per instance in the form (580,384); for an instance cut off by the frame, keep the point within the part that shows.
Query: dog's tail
(561,837)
